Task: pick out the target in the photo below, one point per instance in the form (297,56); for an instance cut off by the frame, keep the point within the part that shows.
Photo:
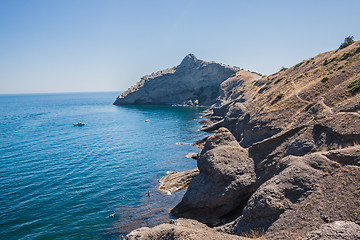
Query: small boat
(147,120)
(80,124)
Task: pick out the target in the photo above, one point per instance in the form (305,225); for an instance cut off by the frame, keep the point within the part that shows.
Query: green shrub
(298,65)
(283,68)
(277,98)
(348,41)
(325,79)
(354,86)
(326,62)
(233,75)
(338,68)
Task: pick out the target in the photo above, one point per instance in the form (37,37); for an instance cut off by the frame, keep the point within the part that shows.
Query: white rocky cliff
(193,82)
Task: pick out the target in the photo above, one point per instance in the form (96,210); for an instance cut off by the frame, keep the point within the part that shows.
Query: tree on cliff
(348,41)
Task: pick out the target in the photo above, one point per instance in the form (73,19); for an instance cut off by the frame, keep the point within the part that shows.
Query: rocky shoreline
(284,159)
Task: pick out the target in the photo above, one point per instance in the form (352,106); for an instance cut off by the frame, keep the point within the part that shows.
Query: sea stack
(193,82)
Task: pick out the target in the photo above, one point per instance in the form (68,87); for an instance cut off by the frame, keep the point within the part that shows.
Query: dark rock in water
(193,82)
(226,178)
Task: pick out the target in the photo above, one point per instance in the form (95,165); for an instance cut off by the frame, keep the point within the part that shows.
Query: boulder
(224,184)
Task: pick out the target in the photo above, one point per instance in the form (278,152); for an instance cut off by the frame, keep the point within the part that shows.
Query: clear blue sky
(88,45)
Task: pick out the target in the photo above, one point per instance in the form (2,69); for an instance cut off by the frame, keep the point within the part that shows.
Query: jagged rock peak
(189,61)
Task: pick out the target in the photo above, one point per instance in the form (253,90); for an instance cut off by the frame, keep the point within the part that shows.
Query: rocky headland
(284,159)
(193,82)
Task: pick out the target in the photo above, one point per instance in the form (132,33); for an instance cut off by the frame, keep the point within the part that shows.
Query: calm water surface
(58,181)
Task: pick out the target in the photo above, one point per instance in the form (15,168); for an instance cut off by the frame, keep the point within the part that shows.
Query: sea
(60,181)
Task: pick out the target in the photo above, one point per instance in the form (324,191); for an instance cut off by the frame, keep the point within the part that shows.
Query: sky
(49,46)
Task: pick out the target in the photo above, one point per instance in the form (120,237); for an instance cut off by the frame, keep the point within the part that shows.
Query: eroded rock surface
(339,230)
(178,180)
(193,82)
(284,159)
(180,229)
(224,183)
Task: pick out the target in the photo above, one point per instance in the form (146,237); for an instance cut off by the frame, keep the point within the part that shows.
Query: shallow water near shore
(59,181)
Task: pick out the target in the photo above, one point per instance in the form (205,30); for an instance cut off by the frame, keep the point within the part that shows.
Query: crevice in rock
(258,151)
(236,212)
(326,137)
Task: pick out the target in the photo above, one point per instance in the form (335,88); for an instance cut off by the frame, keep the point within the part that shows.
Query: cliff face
(298,134)
(284,161)
(193,82)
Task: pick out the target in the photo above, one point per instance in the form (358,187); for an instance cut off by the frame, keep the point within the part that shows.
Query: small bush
(348,41)
(354,86)
(277,98)
(283,68)
(325,79)
(338,68)
(233,75)
(298,65)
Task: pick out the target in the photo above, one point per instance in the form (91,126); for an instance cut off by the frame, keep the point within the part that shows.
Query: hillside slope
(284,161)
(300,128)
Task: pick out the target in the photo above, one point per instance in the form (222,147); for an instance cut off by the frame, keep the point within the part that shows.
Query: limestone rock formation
(284,159)
(193,82)
(225,181)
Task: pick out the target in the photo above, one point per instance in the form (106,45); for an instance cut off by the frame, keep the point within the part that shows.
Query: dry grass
(253,233)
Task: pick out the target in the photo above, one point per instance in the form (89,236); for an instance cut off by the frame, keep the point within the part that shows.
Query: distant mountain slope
(193,82)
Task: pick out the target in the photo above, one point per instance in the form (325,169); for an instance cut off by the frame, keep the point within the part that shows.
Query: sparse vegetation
(277,98)
(325,79)
(354,86)
(298,65)
(348,41)
(338,68)
(350,53)
(253,233)
(283,68)
(233,75)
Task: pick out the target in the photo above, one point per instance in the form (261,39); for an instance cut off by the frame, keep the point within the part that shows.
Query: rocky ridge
(284,158)
(193,82)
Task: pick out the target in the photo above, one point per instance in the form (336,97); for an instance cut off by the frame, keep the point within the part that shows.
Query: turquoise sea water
(58,181)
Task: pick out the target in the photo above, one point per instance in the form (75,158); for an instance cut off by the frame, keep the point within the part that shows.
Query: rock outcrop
(339,230)
(193,82)
(225,181)
(180,229)
(177,180)
(284,159)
